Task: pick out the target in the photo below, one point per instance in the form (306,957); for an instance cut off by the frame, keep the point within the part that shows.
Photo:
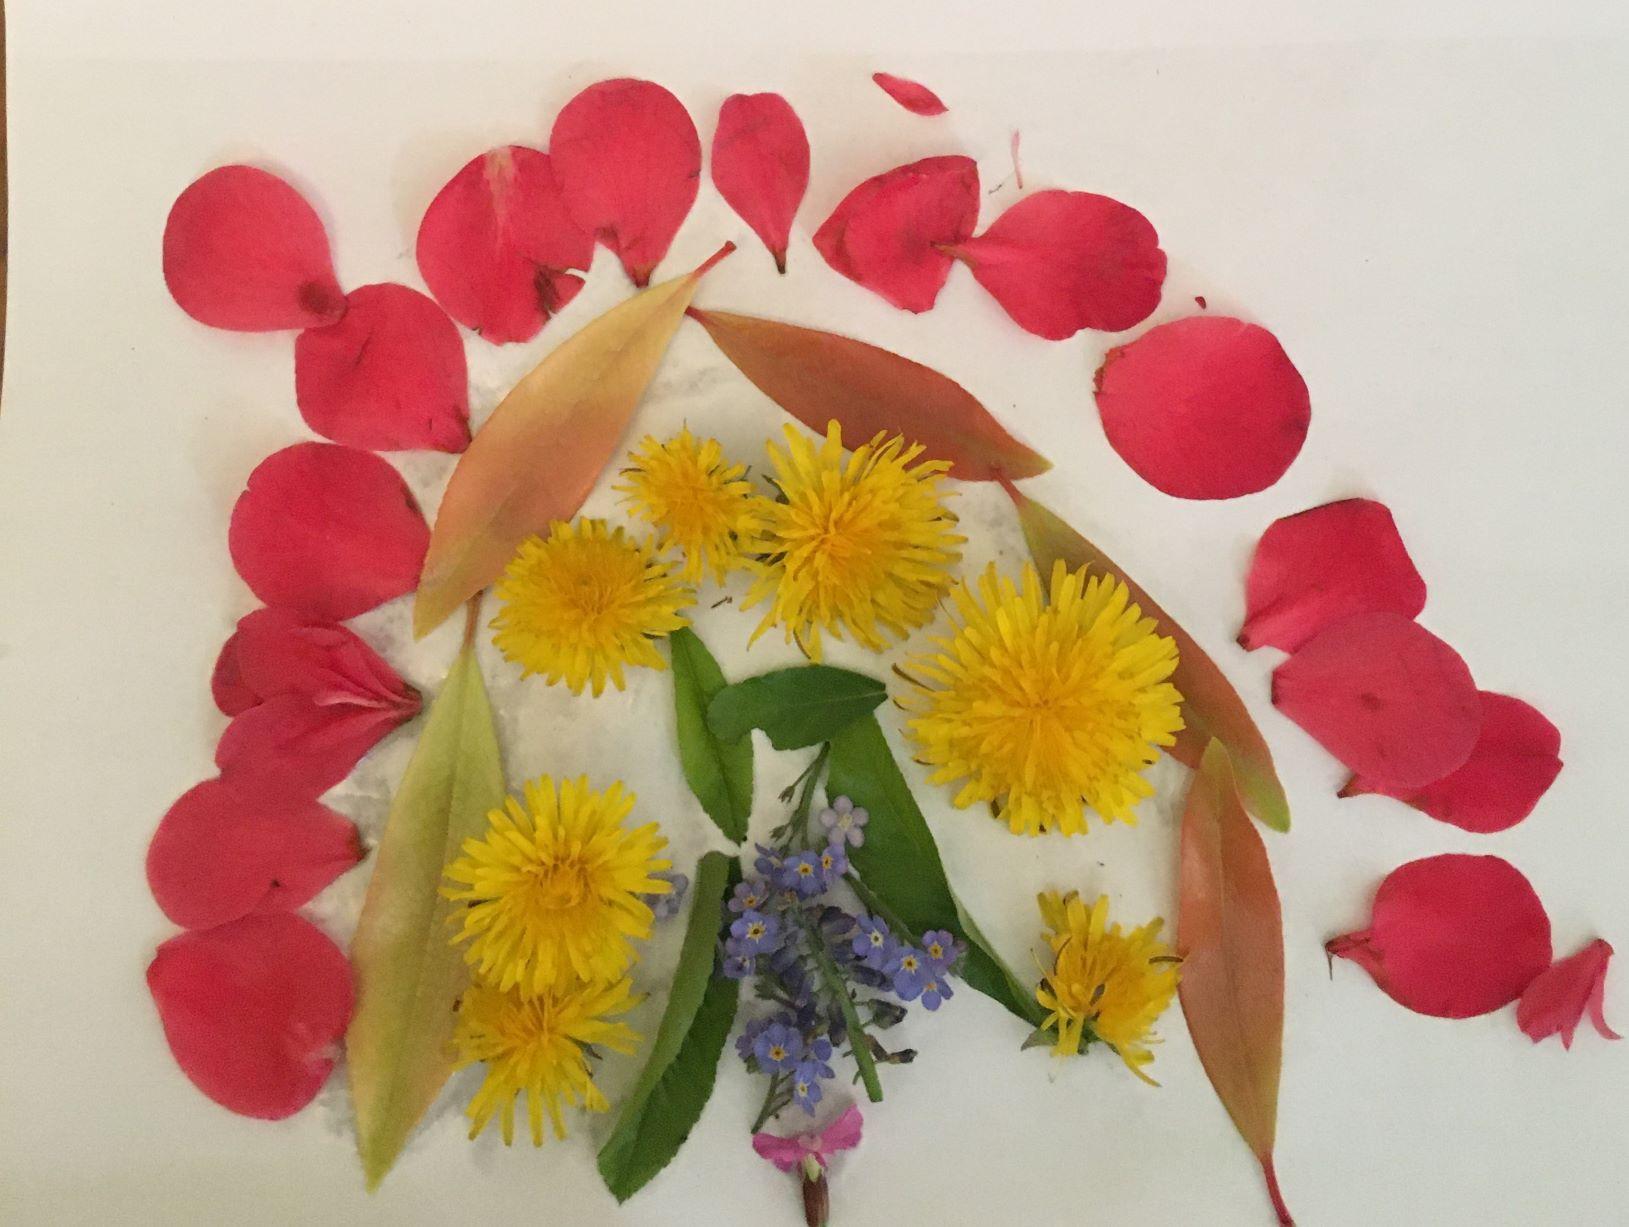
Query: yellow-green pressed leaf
(409,975)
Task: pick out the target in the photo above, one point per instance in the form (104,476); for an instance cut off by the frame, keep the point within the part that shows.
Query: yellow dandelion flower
(862,544)
(1112,984)
(538,1046)
(1044,701)
(584,602)
(697,499)
(554,887)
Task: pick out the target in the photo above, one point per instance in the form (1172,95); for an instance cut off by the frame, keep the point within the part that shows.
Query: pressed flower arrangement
(503,921)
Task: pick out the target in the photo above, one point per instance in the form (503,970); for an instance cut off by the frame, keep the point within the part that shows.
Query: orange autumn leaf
(540,453)
(819,377)
(1230,934)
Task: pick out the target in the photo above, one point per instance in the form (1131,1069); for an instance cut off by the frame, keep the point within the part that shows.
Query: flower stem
(769,1108)
(838,988)
(798,824)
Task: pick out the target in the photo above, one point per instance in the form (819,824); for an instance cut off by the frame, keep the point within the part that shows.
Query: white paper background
(1428,209)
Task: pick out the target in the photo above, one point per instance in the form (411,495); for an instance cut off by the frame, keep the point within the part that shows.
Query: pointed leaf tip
(761,165)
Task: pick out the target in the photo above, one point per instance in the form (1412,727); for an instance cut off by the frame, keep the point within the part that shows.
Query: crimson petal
(1556,1002)
(295,744)
(761,165)
(495,243)
(244,250)
(915,97)
(629,163)
(254,1011)
(1206,407)
(275,651)
(327,531)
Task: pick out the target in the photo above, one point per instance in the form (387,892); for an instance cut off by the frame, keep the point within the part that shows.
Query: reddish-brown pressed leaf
(1211,707)
(243,250)
(389,376)
(1061,261)
(1452,936)
(628,161)
(1556,1002)
(1230,933)
(221,853)
(761,165)
(1385,696)
(1320,565)
(891,233)
(915,97)
(1206,407)
(819,377)
(327,531)
(495,244)
(1516,759)
(254,1011)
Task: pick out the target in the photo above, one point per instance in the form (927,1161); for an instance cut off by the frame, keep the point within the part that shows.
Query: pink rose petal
(761,165)
(916,98)
(1556,1002)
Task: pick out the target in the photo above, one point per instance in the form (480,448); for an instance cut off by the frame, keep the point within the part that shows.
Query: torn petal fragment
(1556,1002)
(916,98)
(761,165)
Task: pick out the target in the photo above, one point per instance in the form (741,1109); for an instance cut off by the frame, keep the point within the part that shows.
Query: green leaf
(677,1080)
(899,863)
(719,772)
(409,975)
(796,707)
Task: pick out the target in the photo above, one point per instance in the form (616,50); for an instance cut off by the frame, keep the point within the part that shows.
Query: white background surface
(1427,209)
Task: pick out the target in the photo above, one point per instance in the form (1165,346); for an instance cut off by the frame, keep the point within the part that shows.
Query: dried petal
(889,232)
(221,853)
(254,1010)
(629,162)
(1385,696)
(296,745)
(1452,936)
(1556,1002)
(276,651)
(916,98)
(1060,261)
(495,243)
(388,377)
(327,531)
(761,165)
(1516,759)
(1205,407)
(1316,567)
(243,250)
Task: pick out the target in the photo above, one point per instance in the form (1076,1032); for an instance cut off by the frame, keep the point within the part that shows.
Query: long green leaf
(796,707)
(719,772)
(409,976)
(677,1080)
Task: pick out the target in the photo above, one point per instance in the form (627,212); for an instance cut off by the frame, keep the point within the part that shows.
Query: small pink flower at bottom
(1555,1003)
(809,1154)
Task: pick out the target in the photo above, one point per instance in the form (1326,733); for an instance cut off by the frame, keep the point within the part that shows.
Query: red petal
(327,531)
(388,377)
(297,745)
(761,165)
(629,162)
(1314,568)
(1555,1003)
(887,233)
(916,98)
(1059,261)
(243,250)
(277,651)
(495,243)
(1452,936)
(1204,407)
(1516,759)
(221,853)
(226,685)
(1385,696)
(254,1010)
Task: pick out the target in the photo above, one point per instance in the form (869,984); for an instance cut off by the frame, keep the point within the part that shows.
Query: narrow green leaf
(408,973)
(797,707)
(719,772)
(677,1080)
(899,862)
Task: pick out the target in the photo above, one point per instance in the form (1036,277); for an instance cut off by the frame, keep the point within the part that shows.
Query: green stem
(857,1038)
(768,1110)
(798,824)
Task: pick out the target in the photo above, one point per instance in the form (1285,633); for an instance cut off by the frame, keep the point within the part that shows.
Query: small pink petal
(761,165)
(785,1153)
(1556,1002)
(843,1133)
(916,98)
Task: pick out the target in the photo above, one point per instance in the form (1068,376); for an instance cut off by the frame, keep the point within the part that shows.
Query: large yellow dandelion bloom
(537,1046)
(584,602)
(862,544)
(1044,701)
(1111,983)
(554,888)
(697,500)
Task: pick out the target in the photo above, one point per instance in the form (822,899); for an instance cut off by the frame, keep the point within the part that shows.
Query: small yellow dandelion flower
(862,544)
(1043,701)
(584,602)
(538,1046)
(1114,985)
(697,500)
(554,887)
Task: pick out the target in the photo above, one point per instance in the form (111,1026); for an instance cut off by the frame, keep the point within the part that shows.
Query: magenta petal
(1556,1002)
(761,165)
(916,98)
